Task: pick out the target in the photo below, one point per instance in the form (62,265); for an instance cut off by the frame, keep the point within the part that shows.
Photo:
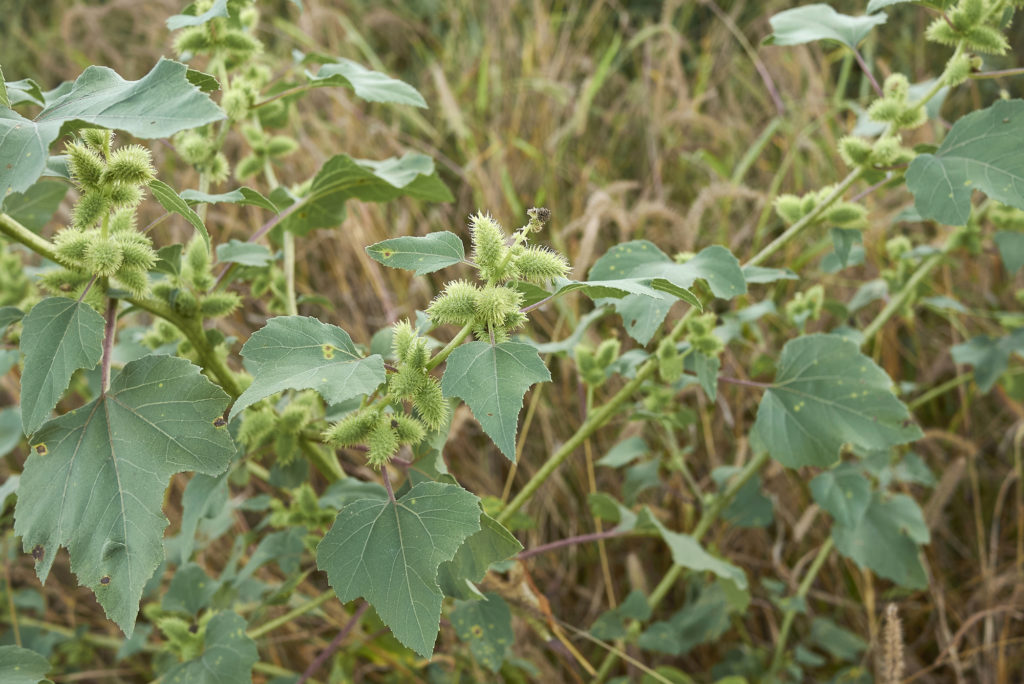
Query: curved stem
(801,592)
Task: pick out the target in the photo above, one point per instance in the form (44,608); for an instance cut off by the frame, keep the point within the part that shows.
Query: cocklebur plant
(422,545)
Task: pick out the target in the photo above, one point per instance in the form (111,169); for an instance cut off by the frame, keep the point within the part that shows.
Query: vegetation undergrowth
(711,396)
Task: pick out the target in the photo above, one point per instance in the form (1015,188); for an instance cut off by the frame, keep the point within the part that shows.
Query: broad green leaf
(343,178)
(876,5)
(977,154)
(687,552)
(190,590)
(419,254)
(158,105)
(1011,250)
(492,380)
(827,394)
(492,544)
(648,287)
(25,90)
(624,452)
(372,86)
(389,552)
(844,492)
(611,624)
(485,625)
(10,429)
(886,540)
(4,100)
(299,352)
(204,498)
(244,253)
(704,618)
(284,548)
(820,22)
(172,202)
(36,206)
(760,274)
(205,82)
(706,368)
(228,655)
(9,487)
(843,644)
(989,356)
(243,196)
(59,336)
(9,315)
(749,506)
(640,259)
(178,21)
(95,479)
(22,666)
(9,357)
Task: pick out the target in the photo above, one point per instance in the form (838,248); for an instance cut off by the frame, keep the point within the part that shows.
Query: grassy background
(627,119)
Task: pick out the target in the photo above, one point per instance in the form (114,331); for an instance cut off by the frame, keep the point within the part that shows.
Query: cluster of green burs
(102,240)
(492,309)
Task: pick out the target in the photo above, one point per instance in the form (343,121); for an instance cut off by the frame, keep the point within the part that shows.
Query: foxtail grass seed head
(892,647)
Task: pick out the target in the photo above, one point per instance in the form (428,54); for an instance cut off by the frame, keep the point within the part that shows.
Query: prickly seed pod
(71,245)
(539,264)
(408,429)
(124,221)
(217,304)
(235,103)
(286,445)
(911,118)
(489,249)
(63,281)
(184,303)
(591,372)
(129,165)
(670,363)
(238,42)
(406,382)
(97,138)
(855,151)
(218,169)
(197,258)
(886,110)
(352,429)
(958,70)
(293,417)
(896,86)
(249,166)
(967,14)
(402,339)
(136,250)
(788,207)
(456,304)
(708,345)
(193,147)
(84,164)
(538,217)
(607,352)
(249,17)
(430,404)
(847,215)
(383,442)
(103,257)
(896,247)
(885,150)
(194,39)
(256,426)
(495,303)
(988,40)
(133,279)
(808,202)
(90,208)
(163,290)
(281,145)
(701,325)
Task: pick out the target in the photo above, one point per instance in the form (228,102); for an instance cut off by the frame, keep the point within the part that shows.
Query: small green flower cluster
(594,364)
(263,425)
(304,510)
(264,149)
(102,240)
(493,310)
(700,333)
(385,426)
(184,638)
(791,208)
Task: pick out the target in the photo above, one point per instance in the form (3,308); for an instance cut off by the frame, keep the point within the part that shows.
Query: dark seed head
(394,423)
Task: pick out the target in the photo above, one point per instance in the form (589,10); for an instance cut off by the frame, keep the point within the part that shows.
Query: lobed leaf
(95,479)
(389,553)
(370,85)
(820,22)
(687,552)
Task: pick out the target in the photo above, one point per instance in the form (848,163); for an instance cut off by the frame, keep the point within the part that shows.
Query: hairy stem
(108,343)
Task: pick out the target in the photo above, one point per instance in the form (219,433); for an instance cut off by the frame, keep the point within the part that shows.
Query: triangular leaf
(826,394)
(976,155)
(419,254)
(244,253)
(96,476)
(492,380)
(688,552)
(158,105)
(59,336)
(886,540)
(228,655)
(36,206)
(1011,250)
(389,552)
(299,352)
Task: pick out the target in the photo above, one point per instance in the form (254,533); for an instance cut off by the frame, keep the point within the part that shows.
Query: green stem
(291,305)
(326,463)
(801,592)
(439,358)
(923,269)
(271,625)
(38,244)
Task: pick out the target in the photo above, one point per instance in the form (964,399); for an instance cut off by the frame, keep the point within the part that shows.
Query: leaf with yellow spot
(844,492)
(486,625)
(419,254)
(810,412)
(299,352)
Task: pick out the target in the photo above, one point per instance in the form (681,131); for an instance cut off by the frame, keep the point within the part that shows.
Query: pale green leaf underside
(642,262)
(419,254)
(158,105)
(243,195)
(59,336)
(826,394)
(178,21)
(687,552)
(820,22)
(492,380)
(22,666)
(243,253)
(299,352)
(981,152)
(95,478)
(886,540)
(343,178)
(389,554)
(372,86)
(172,202)
(228,655)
